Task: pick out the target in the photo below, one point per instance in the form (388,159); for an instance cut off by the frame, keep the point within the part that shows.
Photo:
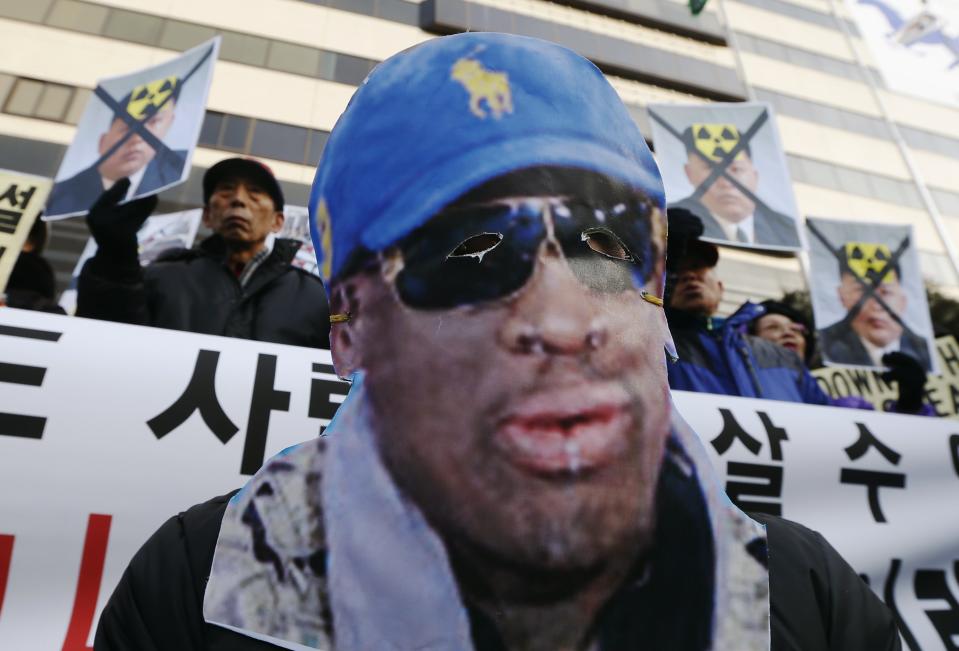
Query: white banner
(106,430)
(882,488)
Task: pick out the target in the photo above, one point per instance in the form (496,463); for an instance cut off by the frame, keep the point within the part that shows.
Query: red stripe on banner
(88,584)
(6,553)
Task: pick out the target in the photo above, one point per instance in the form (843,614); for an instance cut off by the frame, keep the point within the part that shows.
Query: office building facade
(855,149)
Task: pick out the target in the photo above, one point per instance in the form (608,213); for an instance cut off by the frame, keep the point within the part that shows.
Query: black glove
(114,227)
(911,378)
(684,227)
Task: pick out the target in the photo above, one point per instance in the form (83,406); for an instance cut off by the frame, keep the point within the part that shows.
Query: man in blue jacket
(715,354)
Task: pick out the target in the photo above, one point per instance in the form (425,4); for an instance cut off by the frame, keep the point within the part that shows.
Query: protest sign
(883,489)
(21,199)
(109,429)
(915,43)
(106,430)
(159,233)
(942,391)
(296,226)
(143,126)
(867,293)
(725,164)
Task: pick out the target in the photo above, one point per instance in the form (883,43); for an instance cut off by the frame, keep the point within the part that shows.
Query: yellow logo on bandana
(484,85)
(867,260)
(715,141)
(146,99)
(322,219)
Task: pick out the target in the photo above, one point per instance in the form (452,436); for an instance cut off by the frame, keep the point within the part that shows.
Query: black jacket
(77,193)
(818,602)
(32,284)
(194,290)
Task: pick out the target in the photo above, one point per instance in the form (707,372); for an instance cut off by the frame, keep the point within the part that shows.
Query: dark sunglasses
(478,253)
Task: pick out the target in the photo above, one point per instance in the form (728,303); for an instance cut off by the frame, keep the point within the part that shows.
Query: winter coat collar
(321,535)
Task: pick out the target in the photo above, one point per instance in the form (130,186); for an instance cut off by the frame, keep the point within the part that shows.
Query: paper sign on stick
(867,293)
(143,126)
(724,163)
(21,199)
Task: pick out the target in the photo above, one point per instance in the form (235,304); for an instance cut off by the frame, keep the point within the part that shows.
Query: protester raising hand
(907,372)
(114,226)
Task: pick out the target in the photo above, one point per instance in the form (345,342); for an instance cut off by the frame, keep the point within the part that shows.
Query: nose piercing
(595,339)
(530,341)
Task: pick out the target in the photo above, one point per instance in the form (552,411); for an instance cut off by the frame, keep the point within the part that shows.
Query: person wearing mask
(32,283)
(507,471)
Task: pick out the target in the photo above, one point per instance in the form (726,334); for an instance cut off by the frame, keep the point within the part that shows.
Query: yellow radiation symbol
(484,86)
(146,99)
(868,259)
(322,219)
(715,141)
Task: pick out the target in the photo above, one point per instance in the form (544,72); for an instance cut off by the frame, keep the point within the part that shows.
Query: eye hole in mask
(605,243)
(476,246)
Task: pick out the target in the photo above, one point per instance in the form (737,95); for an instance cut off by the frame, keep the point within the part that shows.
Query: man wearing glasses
(507,471)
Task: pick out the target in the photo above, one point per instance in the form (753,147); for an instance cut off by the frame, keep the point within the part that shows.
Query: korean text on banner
(106,430)
(21,199)
(942,391)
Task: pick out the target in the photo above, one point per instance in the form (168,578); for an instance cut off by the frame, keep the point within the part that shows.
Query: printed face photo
(867,293)
(723,198)
(142,126)
(134,153)
(724,163)
(526,409)
(873,322)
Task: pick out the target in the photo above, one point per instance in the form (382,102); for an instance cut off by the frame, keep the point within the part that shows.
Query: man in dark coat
(149,170)
(726,212)
(507,471)
(238,283)
(32,282)
(715,354)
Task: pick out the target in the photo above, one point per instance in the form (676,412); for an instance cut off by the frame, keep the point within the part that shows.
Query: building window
(6,85)
(210,130)
(235,134)
(32,11)
(54,102)
(243,48)
(224,131)
(135,27)
(279,141)
(351,70)
(77,105)
(37,99)
(182,36)
(298,59)
(317,144)
(23,100)
(78,16)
